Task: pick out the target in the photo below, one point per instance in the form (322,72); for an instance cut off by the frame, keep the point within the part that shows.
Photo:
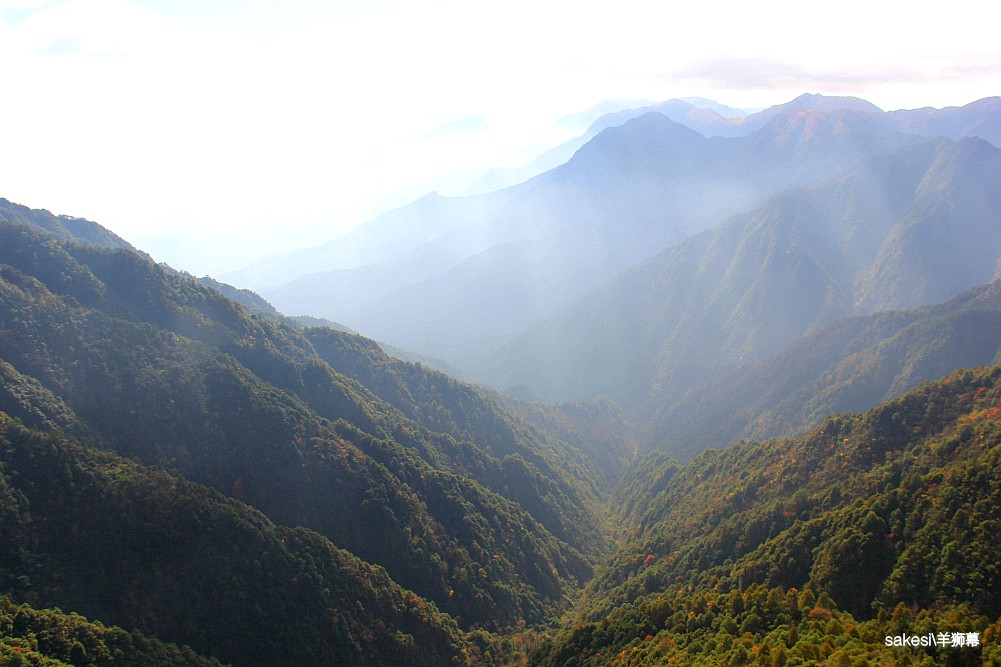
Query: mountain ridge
(847,366)
(752,285)
(632,190)
(268,421)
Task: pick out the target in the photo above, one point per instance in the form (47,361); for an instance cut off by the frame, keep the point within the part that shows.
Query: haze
(215,133)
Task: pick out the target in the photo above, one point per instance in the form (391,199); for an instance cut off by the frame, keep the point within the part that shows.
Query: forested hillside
(811,549)
(92,532)
(780,444)
(53,639)
(464,498)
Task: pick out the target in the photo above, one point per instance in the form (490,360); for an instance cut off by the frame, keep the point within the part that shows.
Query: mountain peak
(816,102)
(794,127)
(652,125)
(646,135)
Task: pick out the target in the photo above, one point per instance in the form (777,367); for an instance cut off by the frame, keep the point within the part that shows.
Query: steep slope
(847,366)
(946,241)
(896,231)
(89,531)
(815,548)
(137,358)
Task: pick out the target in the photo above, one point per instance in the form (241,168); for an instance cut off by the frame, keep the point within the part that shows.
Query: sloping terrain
(453,277)
(90,531)
(460,499)
(847,366)
(911,227)
(812,549)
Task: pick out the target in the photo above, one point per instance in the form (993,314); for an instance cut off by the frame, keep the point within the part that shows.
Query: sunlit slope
(816,547)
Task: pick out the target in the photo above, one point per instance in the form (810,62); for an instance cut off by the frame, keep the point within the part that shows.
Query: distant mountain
(916,225)
(806,102)
(384,238)
(977,119)
(848,366)
(704,116)
(721,109)
(435,234)
(582,121)
(480,269)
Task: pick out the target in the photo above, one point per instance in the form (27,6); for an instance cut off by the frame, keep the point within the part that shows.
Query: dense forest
(190,477)
(469,500)
(810,550)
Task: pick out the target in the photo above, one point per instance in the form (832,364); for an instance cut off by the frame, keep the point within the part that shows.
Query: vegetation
(142,549)
(206,483)
(456,495)
(812,549)
(903,222)
(49,637)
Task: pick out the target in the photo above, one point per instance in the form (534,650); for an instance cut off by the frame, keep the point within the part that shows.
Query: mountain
(205,472)
(913,226)
(807,102)
(88,530)
(977,119)
(847,366)
(64,227)
(582,126)
(582,121)
(704,116)
(632,190)
(455,277)
(464,500)
(810,550)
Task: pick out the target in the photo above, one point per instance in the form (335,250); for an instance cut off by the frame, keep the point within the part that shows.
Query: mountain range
(462,279)
(910,227)
(777,353)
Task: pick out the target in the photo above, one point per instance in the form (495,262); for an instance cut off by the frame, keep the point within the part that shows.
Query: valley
(721,388)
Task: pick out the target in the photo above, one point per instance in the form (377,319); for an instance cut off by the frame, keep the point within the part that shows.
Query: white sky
(212,133)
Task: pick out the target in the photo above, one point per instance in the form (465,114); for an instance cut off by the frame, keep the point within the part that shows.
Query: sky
(212,133)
